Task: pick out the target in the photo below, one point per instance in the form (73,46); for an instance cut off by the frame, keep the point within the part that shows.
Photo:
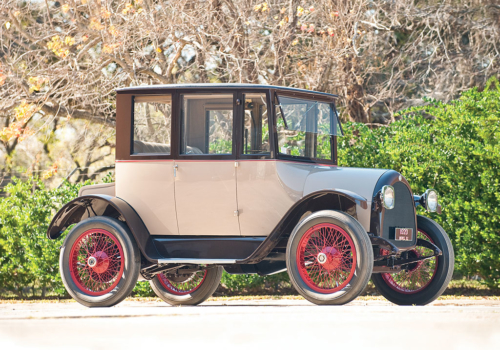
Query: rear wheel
(193,288)
(422,282)
(329,258)
(99,262)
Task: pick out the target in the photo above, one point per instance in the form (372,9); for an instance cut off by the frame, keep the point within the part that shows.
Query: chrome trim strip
(197,261)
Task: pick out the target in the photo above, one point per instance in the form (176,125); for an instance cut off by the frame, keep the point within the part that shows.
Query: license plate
(404,234)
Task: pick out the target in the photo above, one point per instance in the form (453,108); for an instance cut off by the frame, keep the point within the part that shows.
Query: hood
(358,180)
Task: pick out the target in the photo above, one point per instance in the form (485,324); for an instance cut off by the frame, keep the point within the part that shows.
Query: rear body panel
(148,186)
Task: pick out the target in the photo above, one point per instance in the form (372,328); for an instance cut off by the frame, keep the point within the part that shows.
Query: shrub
(254,284)
(28,260)
(455,149)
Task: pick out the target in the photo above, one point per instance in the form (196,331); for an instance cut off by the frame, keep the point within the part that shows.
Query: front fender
(341,200)
(88,206)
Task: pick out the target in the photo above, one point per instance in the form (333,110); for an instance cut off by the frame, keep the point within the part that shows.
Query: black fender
(88,206)
(337,199)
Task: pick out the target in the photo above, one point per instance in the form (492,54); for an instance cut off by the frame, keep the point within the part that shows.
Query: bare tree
(63,60)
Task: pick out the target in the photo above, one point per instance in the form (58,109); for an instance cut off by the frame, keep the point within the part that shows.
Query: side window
(152,124)
(305,128)
(206,124)
(255,124)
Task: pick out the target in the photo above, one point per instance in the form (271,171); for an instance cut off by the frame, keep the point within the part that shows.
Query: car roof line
(221,86)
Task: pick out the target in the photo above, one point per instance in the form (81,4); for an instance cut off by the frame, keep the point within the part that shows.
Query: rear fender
(85,207)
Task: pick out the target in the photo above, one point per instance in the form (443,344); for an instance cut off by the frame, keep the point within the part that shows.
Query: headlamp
(431,200)
(387,197)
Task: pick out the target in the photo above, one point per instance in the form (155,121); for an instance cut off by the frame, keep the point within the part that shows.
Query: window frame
(125,131)
(124,120)
(132,122)
(241,124)
(178,130)
(333,138)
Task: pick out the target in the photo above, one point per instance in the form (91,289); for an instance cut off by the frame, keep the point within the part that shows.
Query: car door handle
(175,170)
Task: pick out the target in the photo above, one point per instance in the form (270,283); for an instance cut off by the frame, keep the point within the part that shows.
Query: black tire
(125,281)
(442,273)
(202,292)
(360,269)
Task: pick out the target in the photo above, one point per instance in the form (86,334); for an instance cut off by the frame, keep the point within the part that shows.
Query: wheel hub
(322,258)
(329,258)
(99,262)
(92,261)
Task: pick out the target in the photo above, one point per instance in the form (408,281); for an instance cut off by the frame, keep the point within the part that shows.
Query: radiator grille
(401,216)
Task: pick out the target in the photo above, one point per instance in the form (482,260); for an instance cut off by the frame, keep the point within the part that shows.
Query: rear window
(152,124)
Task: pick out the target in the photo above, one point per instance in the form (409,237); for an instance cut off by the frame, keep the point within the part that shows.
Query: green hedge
(28,259)
(453,148)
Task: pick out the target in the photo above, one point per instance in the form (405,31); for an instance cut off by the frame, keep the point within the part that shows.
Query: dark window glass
(255,124)
(152,121)
(206,124)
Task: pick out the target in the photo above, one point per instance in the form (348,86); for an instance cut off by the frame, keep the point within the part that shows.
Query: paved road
(264,324)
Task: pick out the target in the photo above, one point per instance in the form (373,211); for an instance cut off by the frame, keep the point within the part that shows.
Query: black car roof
(146,88)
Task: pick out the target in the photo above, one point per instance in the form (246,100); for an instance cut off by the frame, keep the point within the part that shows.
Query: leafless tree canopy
(61,61)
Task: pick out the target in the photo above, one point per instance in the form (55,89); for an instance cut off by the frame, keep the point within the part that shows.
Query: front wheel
(184,287)
(423,282)
(329,258)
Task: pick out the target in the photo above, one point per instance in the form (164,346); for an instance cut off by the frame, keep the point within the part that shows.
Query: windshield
(305,127)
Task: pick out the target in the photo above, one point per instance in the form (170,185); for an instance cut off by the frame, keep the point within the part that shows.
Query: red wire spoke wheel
(418,275)
(326,258)
(422,282)
(182,284)
(96,262)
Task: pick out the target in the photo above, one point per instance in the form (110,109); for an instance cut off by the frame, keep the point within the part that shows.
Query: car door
(205,176)
(144,174)
(262,197)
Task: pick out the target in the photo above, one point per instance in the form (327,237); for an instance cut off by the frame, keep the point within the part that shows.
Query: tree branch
(172,63)
(61,111)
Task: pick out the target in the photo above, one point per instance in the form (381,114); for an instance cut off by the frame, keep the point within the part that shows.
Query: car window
(206,124)
(255,124)
(152,124)
(305,127)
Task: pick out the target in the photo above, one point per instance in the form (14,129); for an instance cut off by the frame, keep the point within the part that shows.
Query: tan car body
(228,198)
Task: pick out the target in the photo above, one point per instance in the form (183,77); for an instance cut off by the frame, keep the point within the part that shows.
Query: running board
(197,261)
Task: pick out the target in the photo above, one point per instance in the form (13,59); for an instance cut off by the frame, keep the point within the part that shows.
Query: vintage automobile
(244,178)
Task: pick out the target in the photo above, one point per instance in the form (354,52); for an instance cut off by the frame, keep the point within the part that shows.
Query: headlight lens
(431,200)
(387,197)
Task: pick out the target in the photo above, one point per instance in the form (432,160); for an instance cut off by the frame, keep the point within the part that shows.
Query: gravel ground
(245,323)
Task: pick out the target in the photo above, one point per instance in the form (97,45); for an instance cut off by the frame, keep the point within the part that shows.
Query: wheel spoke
(106,274)
(337,250)
(419,275)
(182,284)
